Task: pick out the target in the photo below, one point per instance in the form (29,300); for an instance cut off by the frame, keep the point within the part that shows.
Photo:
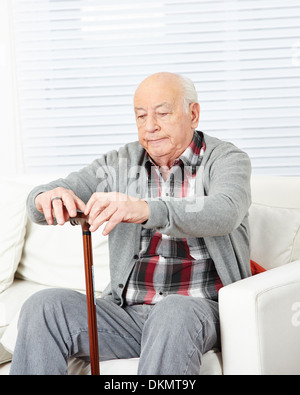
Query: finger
(47,211)
(97,208)
(90,204)
(43,204)
(96,197)
(80,204)
(114,220)
(72,202)
(58,211)
(104,216)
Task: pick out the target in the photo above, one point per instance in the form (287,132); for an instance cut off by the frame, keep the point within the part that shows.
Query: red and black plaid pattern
(169,265)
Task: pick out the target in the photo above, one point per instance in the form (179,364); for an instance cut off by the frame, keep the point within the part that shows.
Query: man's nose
(151,124)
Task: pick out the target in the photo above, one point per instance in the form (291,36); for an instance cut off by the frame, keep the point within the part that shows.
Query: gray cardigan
(220,214)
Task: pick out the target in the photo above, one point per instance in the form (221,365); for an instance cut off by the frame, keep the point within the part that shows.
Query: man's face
(165,128)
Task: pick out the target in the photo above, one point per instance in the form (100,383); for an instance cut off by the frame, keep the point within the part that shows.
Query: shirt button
(160,293)
(121,286)
(135,257)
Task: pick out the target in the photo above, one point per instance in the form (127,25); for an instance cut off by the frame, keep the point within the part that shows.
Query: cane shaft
(91,306)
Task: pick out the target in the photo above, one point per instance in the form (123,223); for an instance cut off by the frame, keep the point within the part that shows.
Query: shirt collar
(190,157)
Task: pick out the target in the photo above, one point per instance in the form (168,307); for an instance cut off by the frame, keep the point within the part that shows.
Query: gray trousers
(169,337)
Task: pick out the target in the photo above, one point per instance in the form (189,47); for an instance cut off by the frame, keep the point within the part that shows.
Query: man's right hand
(61,209)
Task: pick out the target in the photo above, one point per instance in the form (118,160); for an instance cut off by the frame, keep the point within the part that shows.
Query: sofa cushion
(275,233)
(12,229)
(11,301)
(13,298)
(53,255)
(275,220)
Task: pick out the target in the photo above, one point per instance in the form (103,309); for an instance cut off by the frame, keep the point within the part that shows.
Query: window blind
(80,61)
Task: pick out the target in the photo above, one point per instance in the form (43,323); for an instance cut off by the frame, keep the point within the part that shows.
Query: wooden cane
(90,293)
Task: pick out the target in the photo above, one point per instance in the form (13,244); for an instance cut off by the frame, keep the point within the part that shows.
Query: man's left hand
(114,208)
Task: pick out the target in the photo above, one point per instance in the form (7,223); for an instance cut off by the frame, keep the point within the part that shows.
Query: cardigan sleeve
(217,211)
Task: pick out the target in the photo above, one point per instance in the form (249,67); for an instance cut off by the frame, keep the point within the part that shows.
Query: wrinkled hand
(114,208)
(61,209)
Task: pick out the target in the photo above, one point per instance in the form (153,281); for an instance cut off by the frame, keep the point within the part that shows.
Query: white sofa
(260,316)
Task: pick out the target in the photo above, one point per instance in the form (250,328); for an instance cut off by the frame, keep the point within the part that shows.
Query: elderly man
(175,206)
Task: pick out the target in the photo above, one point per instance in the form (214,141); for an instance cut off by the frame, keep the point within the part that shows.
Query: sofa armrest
(260,323)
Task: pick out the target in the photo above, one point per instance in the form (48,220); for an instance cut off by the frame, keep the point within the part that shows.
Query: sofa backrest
(274,218)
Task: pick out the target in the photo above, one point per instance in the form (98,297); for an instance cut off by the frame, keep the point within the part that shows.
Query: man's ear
(195,114)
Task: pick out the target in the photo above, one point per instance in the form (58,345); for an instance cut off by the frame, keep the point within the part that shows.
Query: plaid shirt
(169,265)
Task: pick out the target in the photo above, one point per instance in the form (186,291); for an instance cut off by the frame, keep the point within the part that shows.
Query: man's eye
(162,114)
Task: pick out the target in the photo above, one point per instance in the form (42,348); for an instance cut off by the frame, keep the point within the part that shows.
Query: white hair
(188,88)
(190,94)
